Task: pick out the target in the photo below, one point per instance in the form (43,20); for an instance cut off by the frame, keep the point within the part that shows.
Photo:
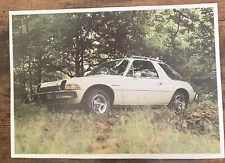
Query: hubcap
(99,104)
(180,102)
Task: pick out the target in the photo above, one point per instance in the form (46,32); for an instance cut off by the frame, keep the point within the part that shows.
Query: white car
(129,81)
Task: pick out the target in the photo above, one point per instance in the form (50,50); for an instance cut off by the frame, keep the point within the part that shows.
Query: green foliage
(49,47)
(28,110)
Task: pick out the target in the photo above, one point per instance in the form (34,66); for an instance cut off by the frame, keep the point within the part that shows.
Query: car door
(130,91)
(130,88)
(142,85)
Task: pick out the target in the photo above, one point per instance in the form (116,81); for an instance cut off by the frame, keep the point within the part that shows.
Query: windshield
(116,67)
(171,72)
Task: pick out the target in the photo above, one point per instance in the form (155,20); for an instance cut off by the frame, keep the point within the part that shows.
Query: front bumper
(59,97)
(193,96)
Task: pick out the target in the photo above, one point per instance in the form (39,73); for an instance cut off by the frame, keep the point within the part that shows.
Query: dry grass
(39,131)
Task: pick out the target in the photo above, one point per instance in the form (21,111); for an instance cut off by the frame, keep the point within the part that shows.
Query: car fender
(111,81)
(179,85)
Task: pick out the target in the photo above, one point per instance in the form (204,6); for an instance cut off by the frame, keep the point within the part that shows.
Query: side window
(145,68)
(130,73)
(170,72)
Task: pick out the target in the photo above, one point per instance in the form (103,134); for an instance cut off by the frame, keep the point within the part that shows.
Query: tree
(54,46)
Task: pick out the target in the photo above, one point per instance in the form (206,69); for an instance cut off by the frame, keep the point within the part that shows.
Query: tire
(97,102)
(179,102)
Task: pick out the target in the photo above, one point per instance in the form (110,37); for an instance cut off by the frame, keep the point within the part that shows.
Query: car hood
(87,80)
(94,78)
(53,83)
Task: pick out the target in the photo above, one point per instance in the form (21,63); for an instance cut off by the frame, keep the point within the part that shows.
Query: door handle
(160,83)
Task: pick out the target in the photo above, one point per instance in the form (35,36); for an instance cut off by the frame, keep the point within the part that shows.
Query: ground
(126,130)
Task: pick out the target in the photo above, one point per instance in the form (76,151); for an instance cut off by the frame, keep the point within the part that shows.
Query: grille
(44,98)
(49,89)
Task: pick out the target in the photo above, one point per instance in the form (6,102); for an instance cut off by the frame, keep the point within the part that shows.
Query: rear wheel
(97,101)
(179,101)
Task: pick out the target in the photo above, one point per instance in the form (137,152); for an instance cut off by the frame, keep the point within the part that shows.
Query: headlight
(72,86)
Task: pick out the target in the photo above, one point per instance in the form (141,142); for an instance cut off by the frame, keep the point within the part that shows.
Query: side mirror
(137,74)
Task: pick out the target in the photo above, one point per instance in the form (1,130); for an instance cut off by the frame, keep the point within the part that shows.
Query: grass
(39,131)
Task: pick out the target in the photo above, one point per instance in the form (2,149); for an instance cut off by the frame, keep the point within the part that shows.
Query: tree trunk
(39,69)
(29,62)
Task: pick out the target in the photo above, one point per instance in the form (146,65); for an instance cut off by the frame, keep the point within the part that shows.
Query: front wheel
(97,101)
(179,101)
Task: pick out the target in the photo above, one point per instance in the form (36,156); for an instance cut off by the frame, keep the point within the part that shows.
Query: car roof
(140,58)
(143,58)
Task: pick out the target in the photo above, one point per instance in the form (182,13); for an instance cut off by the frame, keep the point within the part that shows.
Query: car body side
(126,90)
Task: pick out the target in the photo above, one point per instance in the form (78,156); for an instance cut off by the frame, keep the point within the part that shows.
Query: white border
(122,156)
(105,9)
(219,82)
(11,87)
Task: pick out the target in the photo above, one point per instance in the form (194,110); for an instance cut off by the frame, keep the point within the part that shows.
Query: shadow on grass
(22,110)
(31,110)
